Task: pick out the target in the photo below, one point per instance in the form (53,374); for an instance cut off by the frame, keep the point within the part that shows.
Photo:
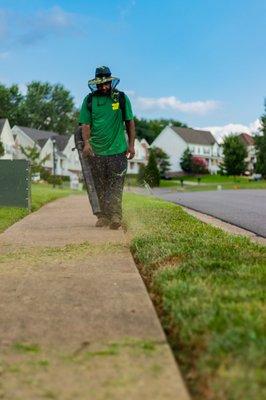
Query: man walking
(104,115)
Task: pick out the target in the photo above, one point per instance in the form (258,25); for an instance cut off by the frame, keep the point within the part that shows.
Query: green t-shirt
(107,126)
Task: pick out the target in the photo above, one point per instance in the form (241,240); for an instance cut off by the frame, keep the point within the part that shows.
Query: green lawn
(209,291)
(41,194)
(217,179)
(44,193)
(208,182)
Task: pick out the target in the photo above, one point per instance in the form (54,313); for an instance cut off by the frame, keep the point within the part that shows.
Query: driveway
(243,208)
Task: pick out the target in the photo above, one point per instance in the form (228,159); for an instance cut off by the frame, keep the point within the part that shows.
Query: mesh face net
(114,83)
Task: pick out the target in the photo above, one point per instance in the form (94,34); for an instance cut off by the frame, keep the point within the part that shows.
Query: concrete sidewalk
(76,321)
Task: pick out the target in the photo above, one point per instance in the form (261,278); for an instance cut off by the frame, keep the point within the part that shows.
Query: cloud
(55,18)
(171,103)
(4,55)
(17,28)
(219,132)
(3,24)
(130,92)
(126,10)
(47,23)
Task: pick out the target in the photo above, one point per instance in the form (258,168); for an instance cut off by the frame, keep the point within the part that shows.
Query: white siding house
(48,152)
(7,140)
(174,141)
(72,158)
(67,159)
(141,156)
(49,144)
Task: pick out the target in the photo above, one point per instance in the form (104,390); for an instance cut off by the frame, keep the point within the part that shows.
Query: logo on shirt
(115,106)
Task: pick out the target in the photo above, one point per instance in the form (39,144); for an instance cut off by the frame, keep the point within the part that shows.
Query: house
(73,163)
(141,156)
(29,137)
(67,159)
(249,143)
(175,140)
(49,144)
(7,140)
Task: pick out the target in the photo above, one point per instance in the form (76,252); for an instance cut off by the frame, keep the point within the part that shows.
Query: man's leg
(116,171)
(98,169)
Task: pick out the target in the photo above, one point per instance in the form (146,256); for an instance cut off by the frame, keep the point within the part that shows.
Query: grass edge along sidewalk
(41,194)
(207,286)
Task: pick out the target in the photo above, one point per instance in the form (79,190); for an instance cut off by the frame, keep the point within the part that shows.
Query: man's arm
(130,127)
(86,133)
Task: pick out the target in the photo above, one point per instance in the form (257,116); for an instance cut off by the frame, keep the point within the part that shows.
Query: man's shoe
(115,222)
(102,221)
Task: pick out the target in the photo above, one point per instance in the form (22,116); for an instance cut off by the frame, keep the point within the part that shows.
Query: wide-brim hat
(102,75)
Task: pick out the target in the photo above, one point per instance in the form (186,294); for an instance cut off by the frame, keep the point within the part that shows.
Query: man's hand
(130,152)
(130,127)
(87,150)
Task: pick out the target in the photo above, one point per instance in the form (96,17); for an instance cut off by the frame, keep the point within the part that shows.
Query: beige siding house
(49,144)
(7,140)
(249,143)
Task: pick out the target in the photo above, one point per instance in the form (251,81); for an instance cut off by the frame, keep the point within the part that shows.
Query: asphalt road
(243,208)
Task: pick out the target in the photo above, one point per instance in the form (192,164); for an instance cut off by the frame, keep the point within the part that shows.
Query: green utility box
(15,183)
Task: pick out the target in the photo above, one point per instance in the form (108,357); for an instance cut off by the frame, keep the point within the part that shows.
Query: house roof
(195,136)
(246,139)
(41,142)
(41,137)
(61,141)
(36,134)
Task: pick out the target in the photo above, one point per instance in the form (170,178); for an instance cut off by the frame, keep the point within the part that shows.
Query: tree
(199,165)
(141,173)
(234,155)
(48,107)
(33,155)
(44,106)
(260,144)
(10,101)
(186,161)
(150,129)
(151,172)
(2,150)
(162,160)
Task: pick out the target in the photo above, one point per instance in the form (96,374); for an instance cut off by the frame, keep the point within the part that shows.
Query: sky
(202,62)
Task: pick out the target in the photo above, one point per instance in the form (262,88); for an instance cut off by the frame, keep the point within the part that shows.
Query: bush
(186,161)
(234,155)
(2,150)
(162,160)
(55,180)
(151,172)
(45,174)
(140,176)
(65,178)
(199,165)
